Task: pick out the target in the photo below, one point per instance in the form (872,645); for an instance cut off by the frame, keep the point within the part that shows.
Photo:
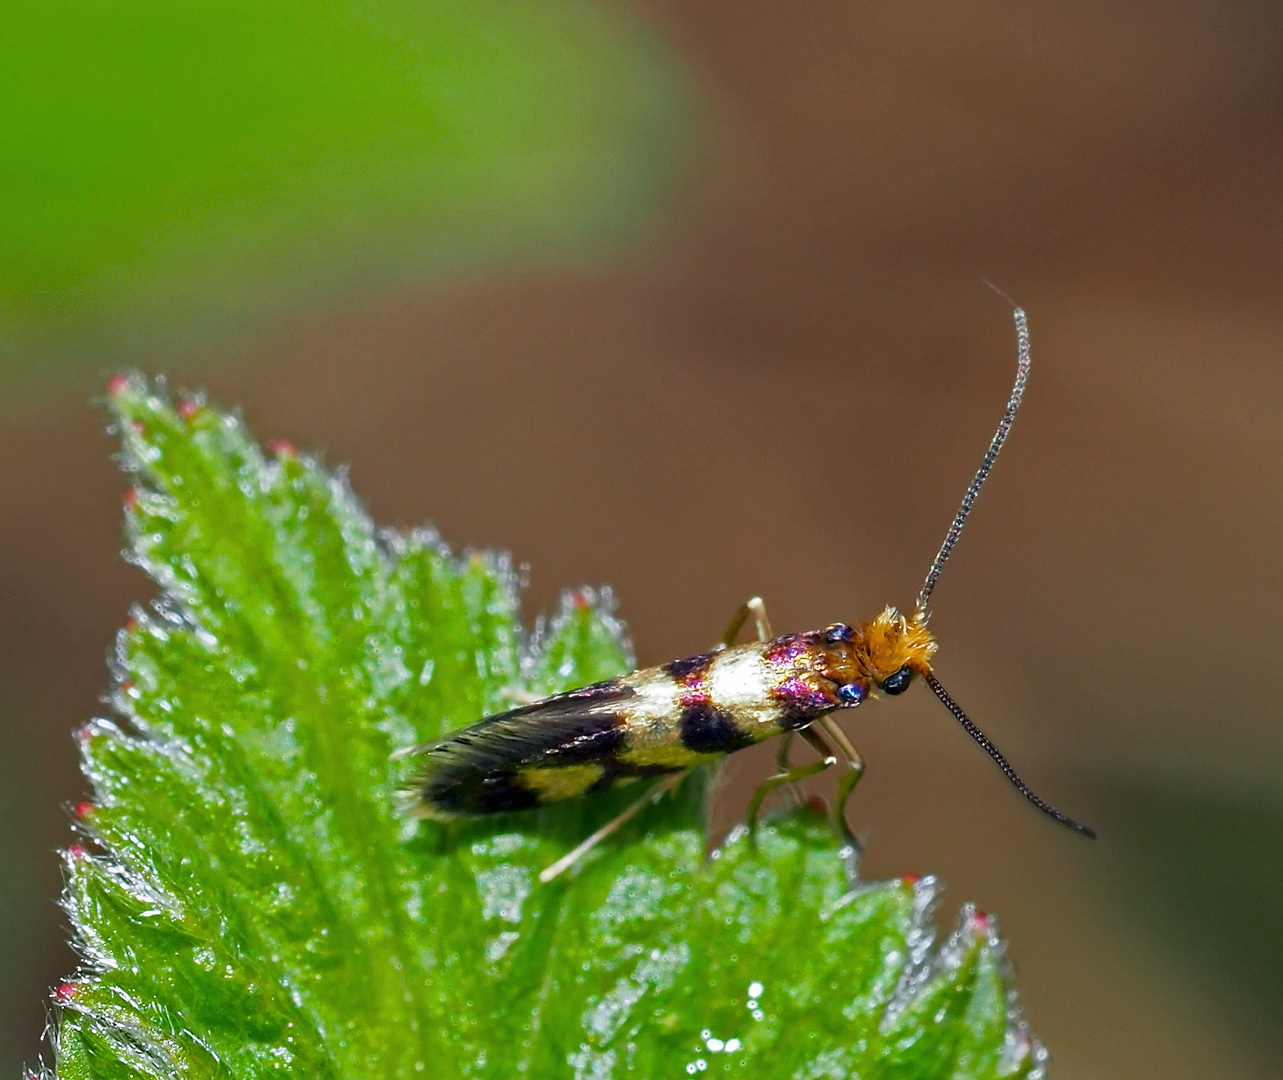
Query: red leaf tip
(66,992)
(76,851)
(118,384)
(85,809)
(282,448)
(980,922)
(188,407)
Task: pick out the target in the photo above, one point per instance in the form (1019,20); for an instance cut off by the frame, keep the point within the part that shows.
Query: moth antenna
(1003,764)
(982,473)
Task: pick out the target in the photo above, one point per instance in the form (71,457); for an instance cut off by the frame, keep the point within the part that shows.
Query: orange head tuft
(890,649)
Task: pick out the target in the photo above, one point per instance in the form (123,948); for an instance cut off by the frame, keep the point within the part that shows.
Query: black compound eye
(897,683)
(838,632)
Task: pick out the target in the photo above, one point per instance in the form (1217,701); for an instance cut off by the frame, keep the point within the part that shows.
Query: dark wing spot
(498,793)
(690,669)
(707,730)
(596,739)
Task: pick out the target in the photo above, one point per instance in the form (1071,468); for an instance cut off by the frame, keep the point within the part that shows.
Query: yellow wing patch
(666,755)
(552,783)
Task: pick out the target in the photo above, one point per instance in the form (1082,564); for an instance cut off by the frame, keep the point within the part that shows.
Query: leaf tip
(119,383)
(983,929)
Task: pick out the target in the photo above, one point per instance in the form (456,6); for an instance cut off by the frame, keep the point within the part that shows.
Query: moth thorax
(891,642)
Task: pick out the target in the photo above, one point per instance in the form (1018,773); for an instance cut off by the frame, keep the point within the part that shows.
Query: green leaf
(249,903)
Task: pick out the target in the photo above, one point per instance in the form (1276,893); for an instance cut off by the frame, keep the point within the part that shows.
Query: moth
(660,722)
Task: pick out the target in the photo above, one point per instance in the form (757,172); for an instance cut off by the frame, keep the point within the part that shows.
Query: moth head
(891,649)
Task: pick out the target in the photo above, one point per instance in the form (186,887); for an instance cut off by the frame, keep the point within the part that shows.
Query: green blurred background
(686,297)
(173,171)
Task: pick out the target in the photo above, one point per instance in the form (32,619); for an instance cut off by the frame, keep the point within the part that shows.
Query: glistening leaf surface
(249,903)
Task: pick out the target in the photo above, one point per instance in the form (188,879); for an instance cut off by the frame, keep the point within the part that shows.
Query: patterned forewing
(658,720)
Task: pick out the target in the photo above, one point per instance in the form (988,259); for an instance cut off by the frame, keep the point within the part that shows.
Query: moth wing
(584,725)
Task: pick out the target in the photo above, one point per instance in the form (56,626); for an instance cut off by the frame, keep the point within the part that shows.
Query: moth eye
(897,683)
(838,632)
(852,693)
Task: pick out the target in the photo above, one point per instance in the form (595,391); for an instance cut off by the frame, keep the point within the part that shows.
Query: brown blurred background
(781,386)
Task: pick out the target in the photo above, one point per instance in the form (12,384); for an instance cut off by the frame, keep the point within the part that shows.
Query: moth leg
(789,775)
(753,606)
(855,769)
(653,795)
(782,763)
(782,752)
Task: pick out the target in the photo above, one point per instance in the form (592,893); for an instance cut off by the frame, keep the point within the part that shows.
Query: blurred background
(686,298)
